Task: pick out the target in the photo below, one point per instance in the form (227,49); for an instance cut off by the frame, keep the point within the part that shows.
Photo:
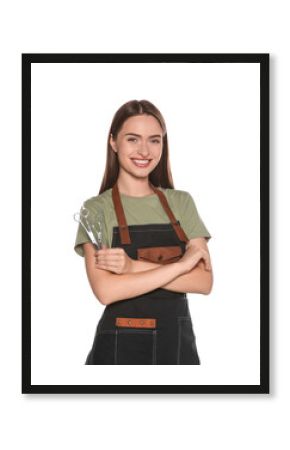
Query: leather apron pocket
(160,255)
(186,346)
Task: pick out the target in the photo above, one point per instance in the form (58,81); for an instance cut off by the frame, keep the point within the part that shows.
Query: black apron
(156,327)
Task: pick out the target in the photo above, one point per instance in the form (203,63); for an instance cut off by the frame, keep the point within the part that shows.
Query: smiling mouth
(141,162)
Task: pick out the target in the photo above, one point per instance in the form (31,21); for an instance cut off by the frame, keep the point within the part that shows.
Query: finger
(208,261)
(101,266)
(115,260)
(110,255)
(100,251)
(109,251)
(104,267)
(107,266)
(105,261)
(208,267)
(203,264)
(207,264)
(105,247)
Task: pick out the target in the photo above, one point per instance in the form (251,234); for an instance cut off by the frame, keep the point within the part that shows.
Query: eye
(132,139)
(156,141)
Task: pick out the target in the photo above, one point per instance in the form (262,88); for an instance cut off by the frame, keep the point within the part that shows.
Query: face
(139,145)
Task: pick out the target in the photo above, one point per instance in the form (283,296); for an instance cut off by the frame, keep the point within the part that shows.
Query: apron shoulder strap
(177,228)
(123,227)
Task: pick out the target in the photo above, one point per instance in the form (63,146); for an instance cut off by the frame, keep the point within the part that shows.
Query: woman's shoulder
(176,195)
(179,200)
(102,200)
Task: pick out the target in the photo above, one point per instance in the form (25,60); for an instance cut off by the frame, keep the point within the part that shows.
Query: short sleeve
(82,236)
(190,220)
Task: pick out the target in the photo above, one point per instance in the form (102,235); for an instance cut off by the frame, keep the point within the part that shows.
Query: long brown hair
(161,175)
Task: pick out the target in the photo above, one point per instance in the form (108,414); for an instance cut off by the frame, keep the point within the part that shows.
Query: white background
(74,421)
(212,116)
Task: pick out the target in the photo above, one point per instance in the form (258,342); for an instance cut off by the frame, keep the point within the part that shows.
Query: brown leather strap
(131,322)
(123,227)
(177,228)
(124,232)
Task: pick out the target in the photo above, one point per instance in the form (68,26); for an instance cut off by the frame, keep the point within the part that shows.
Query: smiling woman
(154,251)
(140,149)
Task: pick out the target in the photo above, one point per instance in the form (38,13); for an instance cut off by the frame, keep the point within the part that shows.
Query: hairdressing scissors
(83,218)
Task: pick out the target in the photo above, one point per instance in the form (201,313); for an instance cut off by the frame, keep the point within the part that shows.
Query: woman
(155,248)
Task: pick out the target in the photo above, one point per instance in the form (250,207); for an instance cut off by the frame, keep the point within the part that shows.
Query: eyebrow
(138,135)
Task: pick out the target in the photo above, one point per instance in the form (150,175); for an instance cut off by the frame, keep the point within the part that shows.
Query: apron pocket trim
(131,322)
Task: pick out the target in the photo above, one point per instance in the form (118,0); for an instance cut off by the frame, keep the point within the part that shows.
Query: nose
(143,149)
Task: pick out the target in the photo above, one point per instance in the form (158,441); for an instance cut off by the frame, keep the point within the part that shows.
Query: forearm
(198,280)
(118,287)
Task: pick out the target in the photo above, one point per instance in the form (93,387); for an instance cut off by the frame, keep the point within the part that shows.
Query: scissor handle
(77,217)
(84,212)
(81,217)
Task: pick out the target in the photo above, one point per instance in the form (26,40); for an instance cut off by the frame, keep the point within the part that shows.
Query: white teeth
(141,161)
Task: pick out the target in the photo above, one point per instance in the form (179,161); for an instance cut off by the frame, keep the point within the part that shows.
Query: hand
(192,256)
(113,259)
(206,264)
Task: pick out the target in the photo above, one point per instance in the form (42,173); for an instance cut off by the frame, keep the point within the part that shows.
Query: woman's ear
(112,143)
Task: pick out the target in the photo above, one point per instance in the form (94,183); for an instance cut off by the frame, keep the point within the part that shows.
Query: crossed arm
(192,273)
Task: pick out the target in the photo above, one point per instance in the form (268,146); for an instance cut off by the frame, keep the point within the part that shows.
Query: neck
(137,187)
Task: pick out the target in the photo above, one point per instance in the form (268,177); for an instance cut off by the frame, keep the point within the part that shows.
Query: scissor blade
(90,235)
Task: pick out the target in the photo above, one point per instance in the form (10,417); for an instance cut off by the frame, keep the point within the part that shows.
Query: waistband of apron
(159,304)
(164,294)
(110,324)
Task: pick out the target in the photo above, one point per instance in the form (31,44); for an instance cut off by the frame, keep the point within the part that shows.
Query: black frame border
(264,60)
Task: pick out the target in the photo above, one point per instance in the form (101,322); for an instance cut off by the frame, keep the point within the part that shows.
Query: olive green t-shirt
(141,211)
